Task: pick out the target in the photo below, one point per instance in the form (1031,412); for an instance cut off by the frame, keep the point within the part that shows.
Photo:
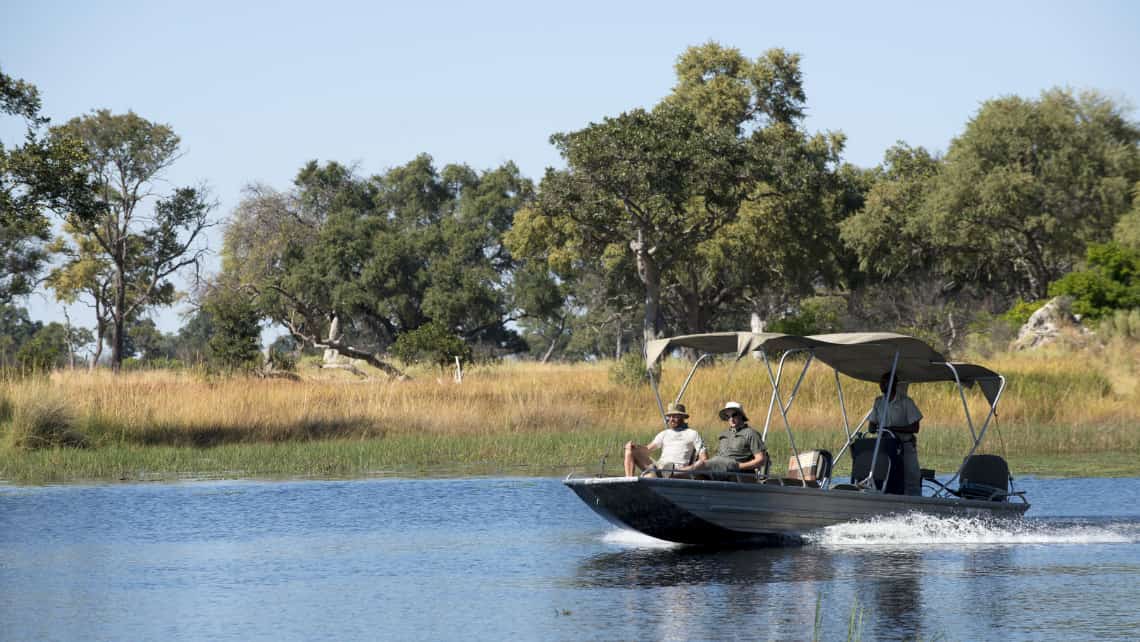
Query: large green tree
(36,177)
(349,264)
(702,192)
(125,258)
(1013,205)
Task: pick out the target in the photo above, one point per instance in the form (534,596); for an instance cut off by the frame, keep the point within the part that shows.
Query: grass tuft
(43,420)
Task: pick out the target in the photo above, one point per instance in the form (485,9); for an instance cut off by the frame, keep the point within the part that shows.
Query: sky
(257,89)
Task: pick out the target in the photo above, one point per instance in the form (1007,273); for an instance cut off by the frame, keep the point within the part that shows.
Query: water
(495,559)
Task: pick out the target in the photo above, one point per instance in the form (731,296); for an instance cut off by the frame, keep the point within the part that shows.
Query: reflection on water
(525,559)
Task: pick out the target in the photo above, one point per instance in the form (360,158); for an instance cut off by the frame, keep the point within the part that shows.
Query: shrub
(1122,323)
(1019,313)
(431,342)
(817,315)
(43,421)
(629,371)
(1111,281)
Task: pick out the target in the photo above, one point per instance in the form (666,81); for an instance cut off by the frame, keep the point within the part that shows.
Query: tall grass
(525,416)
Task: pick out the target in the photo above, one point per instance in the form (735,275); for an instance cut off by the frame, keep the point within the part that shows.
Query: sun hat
(732,406)
(677,409)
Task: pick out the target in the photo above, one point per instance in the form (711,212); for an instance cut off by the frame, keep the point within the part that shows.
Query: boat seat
(817,467)
(984,477)
(888,475)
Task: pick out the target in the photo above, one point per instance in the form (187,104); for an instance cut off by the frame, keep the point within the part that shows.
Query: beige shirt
(679,447)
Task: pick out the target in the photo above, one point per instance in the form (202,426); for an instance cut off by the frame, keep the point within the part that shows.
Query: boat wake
(632,539)
(925,530)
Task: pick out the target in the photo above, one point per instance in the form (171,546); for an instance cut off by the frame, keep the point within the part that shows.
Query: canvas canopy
(859,355)
(738,343)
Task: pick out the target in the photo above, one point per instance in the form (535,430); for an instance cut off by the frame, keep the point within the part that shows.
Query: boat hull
(727,513)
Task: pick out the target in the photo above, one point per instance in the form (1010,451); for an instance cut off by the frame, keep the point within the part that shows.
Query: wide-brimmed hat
(732,406)
(676,409)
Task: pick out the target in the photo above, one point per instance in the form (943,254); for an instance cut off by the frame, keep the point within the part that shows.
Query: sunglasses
(731,415)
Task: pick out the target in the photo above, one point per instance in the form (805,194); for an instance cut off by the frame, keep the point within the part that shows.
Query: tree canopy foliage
(42,175)
(1020,194)
(124,258)
(350,263)
(712,209)
(707,197)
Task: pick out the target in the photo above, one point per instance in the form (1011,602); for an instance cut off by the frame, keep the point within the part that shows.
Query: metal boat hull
(726,512)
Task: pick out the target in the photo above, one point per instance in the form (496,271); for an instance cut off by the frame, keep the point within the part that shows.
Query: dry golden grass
(1057,403)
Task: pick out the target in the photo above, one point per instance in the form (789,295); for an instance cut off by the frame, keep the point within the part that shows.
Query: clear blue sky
(257,89)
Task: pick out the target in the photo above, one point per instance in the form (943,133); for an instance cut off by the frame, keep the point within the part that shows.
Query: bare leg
(636,458)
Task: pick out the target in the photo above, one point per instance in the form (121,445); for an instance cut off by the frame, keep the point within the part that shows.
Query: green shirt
(741,444)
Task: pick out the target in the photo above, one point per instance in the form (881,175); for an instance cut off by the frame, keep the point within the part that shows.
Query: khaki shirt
(741,444)
(900,412)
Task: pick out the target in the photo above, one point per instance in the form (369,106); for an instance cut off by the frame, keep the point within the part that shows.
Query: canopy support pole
(884,417)
(775,381)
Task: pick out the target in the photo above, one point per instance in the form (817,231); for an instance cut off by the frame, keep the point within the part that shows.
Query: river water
(524,559)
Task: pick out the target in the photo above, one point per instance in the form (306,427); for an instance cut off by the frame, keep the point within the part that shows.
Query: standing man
(902,419)
(680,445)
(739,448)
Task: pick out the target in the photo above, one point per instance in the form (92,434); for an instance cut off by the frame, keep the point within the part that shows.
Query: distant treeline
(716,209)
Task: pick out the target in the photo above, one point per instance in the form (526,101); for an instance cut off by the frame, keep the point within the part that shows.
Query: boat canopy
(859,355)
(738,343)
(867,355)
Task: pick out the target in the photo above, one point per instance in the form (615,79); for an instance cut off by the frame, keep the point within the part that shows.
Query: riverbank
(340,459)
(1063,415)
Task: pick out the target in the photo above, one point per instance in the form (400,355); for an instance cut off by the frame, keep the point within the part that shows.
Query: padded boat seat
(888,475)
(984,477)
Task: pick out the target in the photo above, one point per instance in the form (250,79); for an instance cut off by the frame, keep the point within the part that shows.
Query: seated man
(739,447)
(679,445)
(902,418)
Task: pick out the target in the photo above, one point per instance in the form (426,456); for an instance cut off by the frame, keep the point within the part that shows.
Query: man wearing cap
(739,448)
(679,445)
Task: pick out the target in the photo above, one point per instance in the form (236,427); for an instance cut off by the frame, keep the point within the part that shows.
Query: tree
(1020,194)
(236,340)
(349,264)
(191,346)
(431,342)
(52,346)
(1127,230)
(632,182)
(16,329)
(37,176)
(889,234)
(145,342)
(666,186)
(124,259)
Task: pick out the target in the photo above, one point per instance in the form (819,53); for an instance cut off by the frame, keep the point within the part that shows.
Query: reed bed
(521,417)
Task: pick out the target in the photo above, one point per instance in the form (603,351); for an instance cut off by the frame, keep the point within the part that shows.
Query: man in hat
(679,445)
(739,448)
(902,418)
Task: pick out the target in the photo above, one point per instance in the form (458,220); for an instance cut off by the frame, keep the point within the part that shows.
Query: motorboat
(759,507)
